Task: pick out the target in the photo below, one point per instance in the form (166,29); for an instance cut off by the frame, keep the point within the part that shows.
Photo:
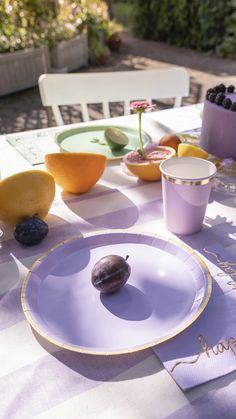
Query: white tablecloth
(38,379)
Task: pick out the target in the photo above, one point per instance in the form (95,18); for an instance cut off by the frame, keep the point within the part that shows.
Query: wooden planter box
(70,55)
(21,70)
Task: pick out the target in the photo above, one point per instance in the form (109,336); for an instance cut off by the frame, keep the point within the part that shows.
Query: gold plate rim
(152,344)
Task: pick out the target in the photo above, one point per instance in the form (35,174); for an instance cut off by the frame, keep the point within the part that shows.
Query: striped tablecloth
(39,379)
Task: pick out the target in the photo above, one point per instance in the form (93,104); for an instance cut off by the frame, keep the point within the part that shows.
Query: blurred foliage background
(31,23)
(204,25)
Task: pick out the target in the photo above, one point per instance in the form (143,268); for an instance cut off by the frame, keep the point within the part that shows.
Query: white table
(33,380)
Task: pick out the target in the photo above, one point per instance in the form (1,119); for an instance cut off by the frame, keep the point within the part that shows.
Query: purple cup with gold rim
(186,187)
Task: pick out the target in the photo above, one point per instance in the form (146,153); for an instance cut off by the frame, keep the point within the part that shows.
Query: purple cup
(186,187)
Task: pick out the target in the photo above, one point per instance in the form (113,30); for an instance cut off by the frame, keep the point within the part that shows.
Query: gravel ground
(23,110)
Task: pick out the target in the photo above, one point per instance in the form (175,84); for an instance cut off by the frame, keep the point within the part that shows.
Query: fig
(31,231)
(110,273)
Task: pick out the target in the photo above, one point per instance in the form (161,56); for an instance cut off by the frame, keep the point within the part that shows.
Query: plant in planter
(111,30)
(23,55)
(144,162)
(67,44)
(68,49)
(114,42)
(103,34)
(99,52)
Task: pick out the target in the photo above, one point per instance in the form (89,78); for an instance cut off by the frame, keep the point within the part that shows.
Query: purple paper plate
(168,289)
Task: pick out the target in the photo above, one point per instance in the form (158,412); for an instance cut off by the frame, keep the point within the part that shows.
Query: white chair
(118,86)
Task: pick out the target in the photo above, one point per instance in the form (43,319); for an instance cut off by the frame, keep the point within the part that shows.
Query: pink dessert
(218,132)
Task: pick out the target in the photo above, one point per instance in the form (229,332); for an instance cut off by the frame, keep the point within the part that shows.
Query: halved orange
(75,172)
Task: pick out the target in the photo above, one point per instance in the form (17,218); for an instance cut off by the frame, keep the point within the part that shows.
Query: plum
(110,273)
(31,231)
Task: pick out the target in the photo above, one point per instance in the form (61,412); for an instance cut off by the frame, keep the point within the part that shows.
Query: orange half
(75,172)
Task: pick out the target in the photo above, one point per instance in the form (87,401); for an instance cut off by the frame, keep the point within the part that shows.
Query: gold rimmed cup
(186,187)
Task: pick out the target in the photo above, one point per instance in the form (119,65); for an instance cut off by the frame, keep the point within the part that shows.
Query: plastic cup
(186,187)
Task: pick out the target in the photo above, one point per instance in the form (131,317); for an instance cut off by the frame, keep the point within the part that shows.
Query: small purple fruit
(31,231)
(110,273)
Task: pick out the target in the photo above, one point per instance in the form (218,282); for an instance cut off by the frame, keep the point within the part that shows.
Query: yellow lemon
(75,172)
(189,150)
(26,194)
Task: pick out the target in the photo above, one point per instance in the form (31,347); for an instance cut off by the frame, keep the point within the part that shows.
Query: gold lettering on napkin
(226,266)
(219,348)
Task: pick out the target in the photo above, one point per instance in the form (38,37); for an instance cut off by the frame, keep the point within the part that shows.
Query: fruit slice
(75,172)
(148,169)
(189,150)
(26,194)
(115,138)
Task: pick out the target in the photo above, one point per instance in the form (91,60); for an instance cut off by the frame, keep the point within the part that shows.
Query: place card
(33,145)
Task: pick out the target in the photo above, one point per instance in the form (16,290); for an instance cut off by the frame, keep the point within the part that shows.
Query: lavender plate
(168,289)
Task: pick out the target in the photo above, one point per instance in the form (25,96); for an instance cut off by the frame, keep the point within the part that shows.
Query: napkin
(207,349)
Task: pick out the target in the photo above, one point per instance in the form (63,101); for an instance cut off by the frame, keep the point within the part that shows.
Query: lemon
(26,194)
(190,150)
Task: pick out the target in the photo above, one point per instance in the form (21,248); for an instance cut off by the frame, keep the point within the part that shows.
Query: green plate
(92,140)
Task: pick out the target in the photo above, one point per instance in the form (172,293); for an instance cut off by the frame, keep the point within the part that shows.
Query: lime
(115,138)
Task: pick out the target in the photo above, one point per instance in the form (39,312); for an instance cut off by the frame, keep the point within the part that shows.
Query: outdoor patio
(24,111)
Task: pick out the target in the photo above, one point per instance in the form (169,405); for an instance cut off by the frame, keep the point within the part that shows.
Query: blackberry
(212,97)
(230,89)
(227,102)
(31,231)
(216,89)
(219,98)
(209,91)
(222,87)
(233,107)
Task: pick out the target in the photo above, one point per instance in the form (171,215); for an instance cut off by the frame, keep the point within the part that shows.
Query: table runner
(33,145)
(215,404)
